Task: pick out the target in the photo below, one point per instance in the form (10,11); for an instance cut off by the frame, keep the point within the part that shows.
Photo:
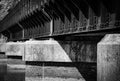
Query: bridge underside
(51,40)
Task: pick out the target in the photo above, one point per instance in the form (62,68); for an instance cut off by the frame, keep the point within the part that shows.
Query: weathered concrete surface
(15,49)
(2,47)
(108,58)
(52,73)
(80,51)
(48,50)
(3,40)
(75,51)
(60,51)
(56,51)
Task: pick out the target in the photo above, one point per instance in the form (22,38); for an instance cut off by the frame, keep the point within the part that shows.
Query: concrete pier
(47,50)
(54,60)
(108,58)
(49,54)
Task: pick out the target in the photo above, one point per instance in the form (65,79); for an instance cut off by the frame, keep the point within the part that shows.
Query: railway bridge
(60,40)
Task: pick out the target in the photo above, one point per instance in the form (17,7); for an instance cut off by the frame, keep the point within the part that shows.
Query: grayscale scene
(59,40)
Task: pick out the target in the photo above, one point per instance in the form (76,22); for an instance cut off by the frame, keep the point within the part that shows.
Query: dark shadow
(3,69)
(13,73)
(14,57)
(3,66)
(83,53)
(87,70)
(15,77)
(2,53)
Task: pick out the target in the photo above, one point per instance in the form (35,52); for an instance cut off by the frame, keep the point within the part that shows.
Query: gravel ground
(51,79)
(16,68)
(47,71)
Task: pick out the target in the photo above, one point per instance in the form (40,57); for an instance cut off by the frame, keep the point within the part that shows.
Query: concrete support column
(23,32)
(54,64)
(108,58)
(51,27)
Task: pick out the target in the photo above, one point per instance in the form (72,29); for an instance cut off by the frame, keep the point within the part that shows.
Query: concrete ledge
(15,48)
(48,50)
